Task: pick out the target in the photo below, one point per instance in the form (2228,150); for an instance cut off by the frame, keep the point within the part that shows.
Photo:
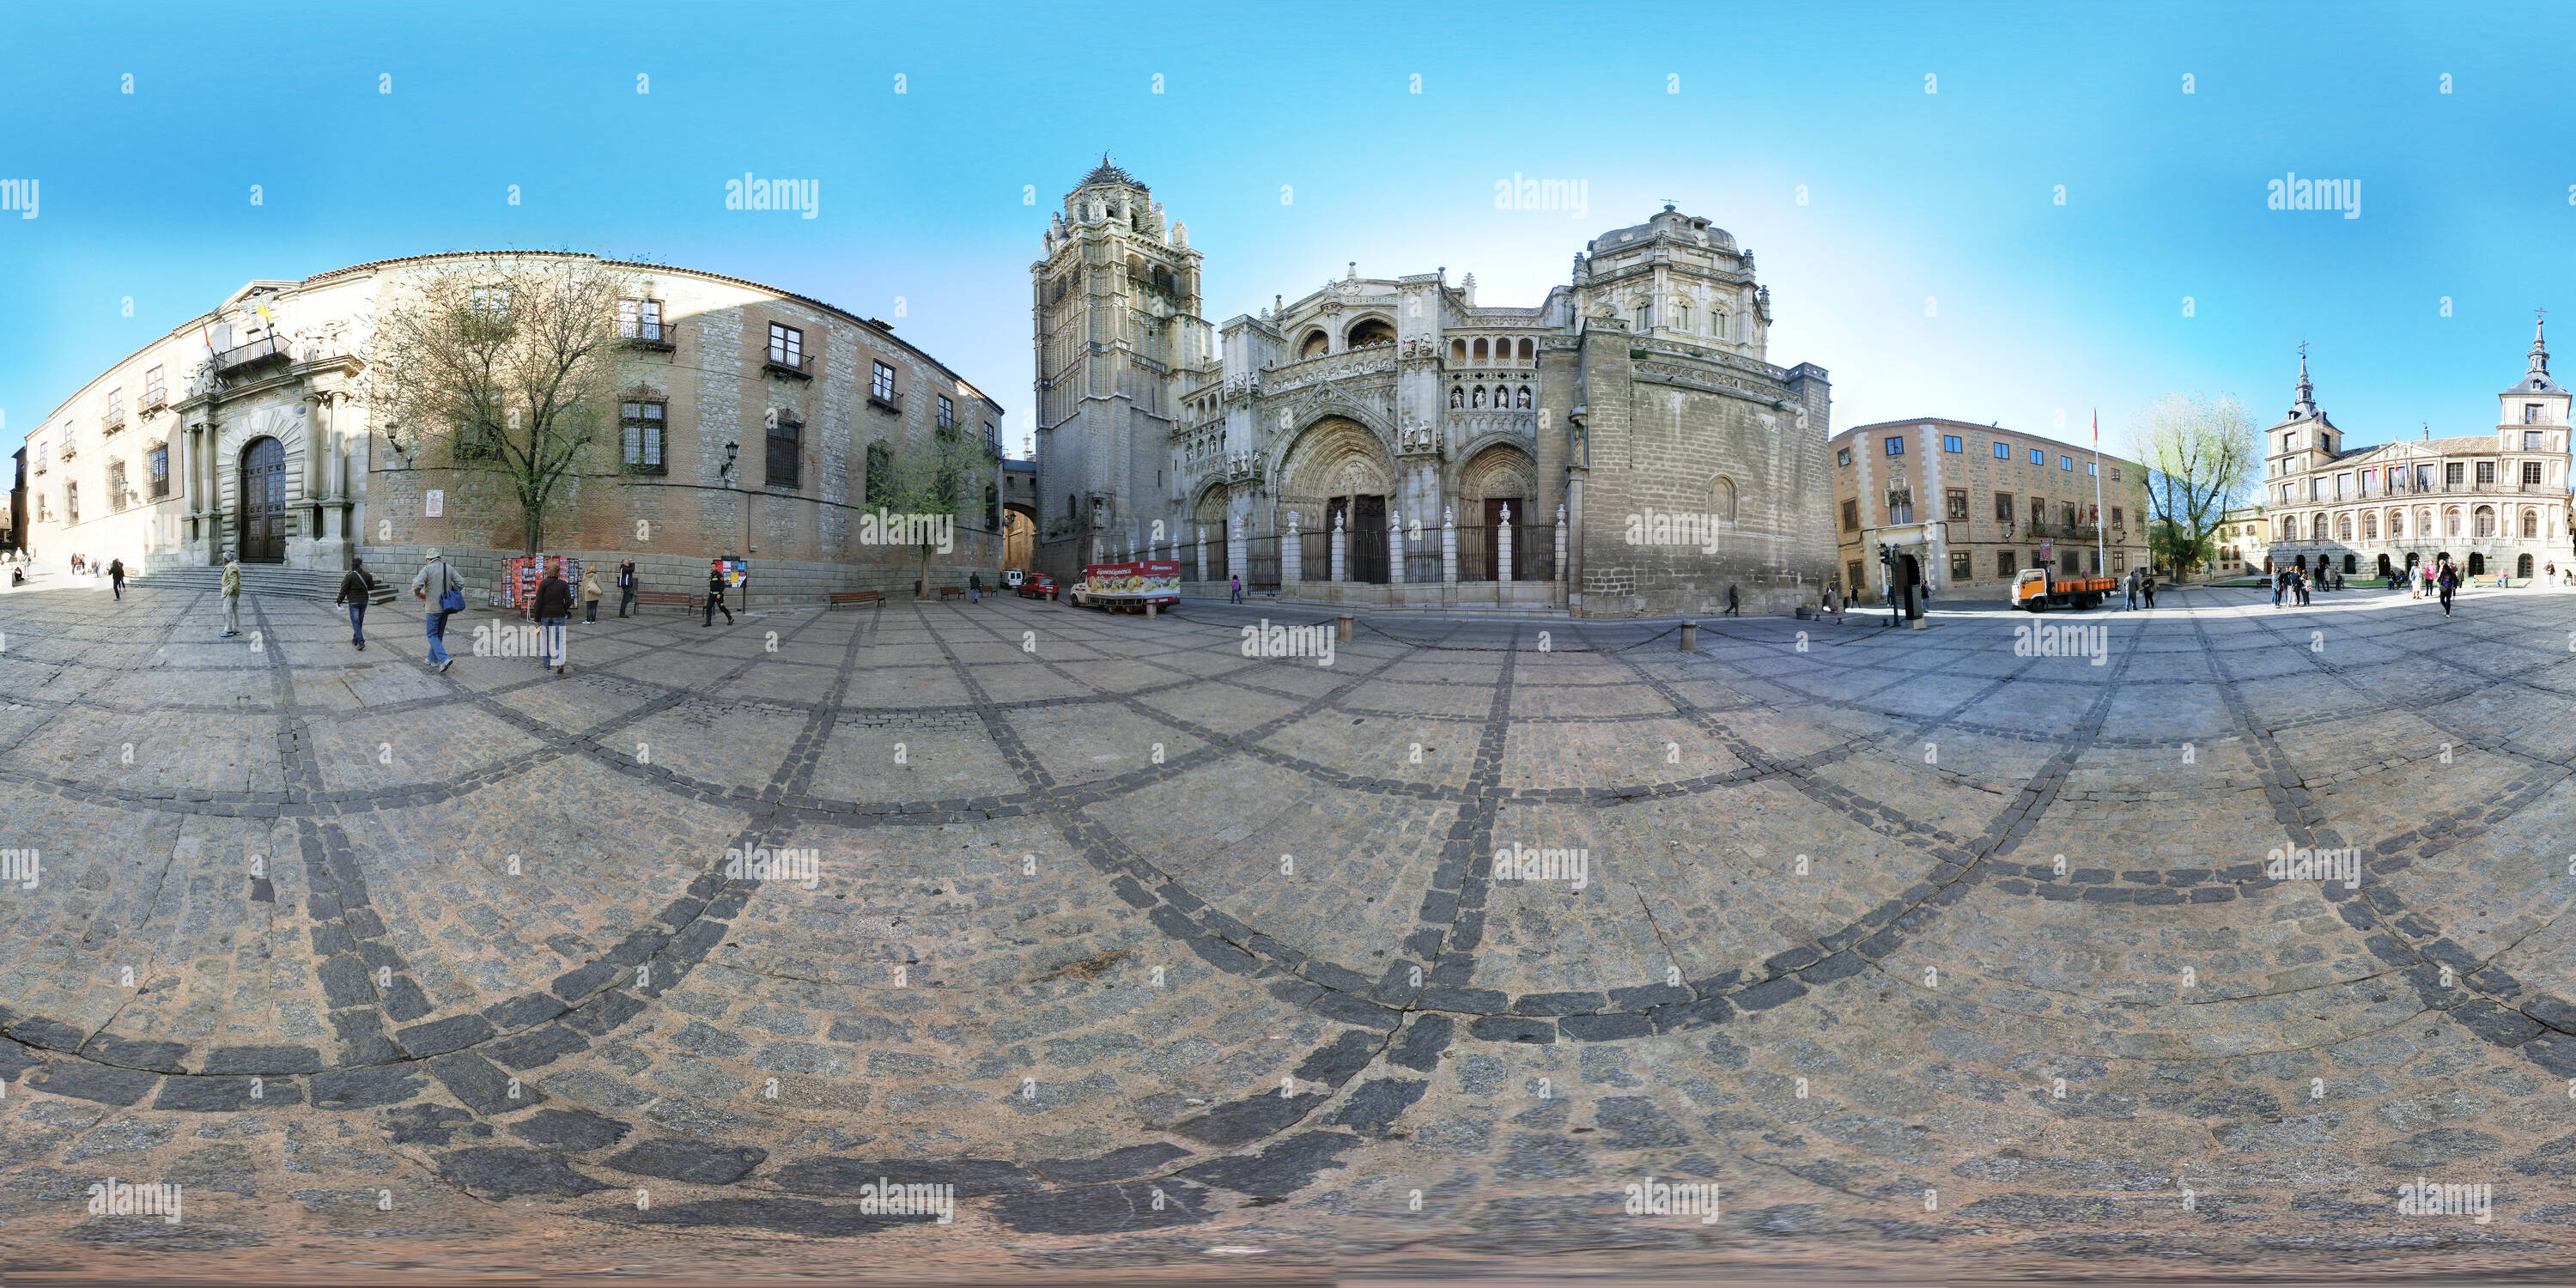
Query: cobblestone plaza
(1957,951)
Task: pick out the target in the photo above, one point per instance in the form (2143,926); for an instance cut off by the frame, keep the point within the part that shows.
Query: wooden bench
(946,591)
(667,599)
(841,598)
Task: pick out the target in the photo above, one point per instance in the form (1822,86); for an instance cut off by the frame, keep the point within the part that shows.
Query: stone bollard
(1346,628)
(1690,637)
(1150,607)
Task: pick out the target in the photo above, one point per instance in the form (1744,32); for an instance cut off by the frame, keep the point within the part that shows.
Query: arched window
(1317,344)
(1457,351)
(1524,402)
(1721,499)
(2451,522)
(1717,323)
(1681,316)
(1457,395)
(2343,527)
(1371,331)
(1480,350)
(2370,527)
(1645,316)
(2530,528)
(1529,350)
(1477,399)
(2423,523)
(2486,521)
(2289,527)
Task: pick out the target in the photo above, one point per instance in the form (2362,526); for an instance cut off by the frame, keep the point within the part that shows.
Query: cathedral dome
(1668,223)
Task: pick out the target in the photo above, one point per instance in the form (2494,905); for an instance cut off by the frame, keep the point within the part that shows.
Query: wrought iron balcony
(797,366)
(263,349)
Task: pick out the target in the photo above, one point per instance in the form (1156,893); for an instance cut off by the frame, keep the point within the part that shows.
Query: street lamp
(733,450)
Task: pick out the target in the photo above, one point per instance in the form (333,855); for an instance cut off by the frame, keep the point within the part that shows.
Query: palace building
(2496,503)
(749,422)
(1975,504)
(1623,446)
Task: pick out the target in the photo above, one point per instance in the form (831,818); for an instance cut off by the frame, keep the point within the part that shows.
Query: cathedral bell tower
(1115,300)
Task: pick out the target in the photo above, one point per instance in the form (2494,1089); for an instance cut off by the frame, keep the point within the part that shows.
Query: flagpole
(2099,549)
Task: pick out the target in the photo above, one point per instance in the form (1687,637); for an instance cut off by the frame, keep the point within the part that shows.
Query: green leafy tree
(2201,456)
(945,473)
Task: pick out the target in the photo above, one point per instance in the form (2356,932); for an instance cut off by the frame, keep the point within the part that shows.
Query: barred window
(783,448)
(640,424)
(639,319)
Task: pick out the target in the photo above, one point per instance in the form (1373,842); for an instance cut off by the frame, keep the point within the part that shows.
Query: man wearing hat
(435,583)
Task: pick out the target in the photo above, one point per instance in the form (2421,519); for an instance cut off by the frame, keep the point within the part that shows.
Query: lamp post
(733,450)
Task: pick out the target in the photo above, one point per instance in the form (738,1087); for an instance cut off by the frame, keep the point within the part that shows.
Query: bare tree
(504,367)
(2200,456)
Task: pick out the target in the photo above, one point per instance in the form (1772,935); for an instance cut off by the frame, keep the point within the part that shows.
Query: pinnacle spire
(2306,407)
(2539,345)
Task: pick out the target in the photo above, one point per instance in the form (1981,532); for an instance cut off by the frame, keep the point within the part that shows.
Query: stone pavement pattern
(1916,947)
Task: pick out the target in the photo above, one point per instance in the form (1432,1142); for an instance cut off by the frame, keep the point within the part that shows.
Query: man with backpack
(438,584)
(354,589)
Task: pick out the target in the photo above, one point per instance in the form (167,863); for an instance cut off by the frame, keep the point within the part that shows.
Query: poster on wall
(437,502)
(520,575)
(735,571)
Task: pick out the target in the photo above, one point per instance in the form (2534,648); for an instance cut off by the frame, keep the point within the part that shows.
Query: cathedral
(1622,448)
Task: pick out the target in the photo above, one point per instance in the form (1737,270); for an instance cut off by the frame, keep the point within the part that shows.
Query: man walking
(232,595)
(2129,592)
(438,584)
(554,604)
(974,588)
(589,593)
(625,587)
(116,576)
(354,590)
(2147,583)
(715,598)
(1732,610)
(2448,578)
(1834,600)
(1234,592)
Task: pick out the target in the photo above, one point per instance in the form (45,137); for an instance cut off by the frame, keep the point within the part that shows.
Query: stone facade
(1989,501)
(2497,502)
(252,428)
(1401,417)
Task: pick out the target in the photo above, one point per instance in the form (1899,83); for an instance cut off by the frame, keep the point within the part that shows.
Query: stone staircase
(321,586)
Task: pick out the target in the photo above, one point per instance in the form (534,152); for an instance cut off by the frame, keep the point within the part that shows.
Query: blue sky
(1944,197)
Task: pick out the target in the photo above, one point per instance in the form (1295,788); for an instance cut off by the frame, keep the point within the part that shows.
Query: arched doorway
(2522,567)
(1499,479)
(2477,564)
(2383,566)
(1338,470)
(262,521)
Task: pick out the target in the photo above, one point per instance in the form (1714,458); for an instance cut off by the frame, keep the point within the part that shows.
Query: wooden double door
(262,512)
